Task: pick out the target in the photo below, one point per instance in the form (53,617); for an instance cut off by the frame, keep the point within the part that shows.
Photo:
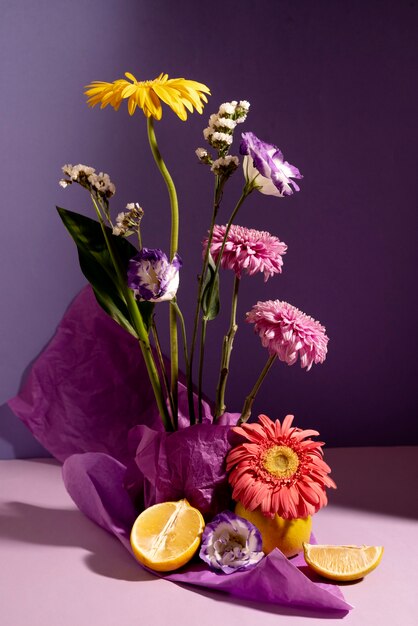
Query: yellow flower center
(281,461)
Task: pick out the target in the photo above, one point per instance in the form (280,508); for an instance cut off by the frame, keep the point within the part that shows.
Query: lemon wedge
(342,562)
(166,536)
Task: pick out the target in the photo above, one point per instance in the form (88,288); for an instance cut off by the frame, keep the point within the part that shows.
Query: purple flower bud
(152,277)
(265,163)
(231,543)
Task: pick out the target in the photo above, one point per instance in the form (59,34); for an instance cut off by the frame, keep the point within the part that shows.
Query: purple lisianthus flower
(152,277)
(231,543)
(265,163)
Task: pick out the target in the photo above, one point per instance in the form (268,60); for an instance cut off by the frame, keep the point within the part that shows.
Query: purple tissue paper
(84,392)
(95,483)
(88,402)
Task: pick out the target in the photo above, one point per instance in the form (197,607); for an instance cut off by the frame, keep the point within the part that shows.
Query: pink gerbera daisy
(247,250)
(289,333)
(279,469)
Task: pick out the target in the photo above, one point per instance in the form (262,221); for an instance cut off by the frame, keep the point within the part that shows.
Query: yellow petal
(128,91)
(131,77)
(131,105)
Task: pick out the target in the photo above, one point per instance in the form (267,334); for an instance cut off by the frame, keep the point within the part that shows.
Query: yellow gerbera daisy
(179,93)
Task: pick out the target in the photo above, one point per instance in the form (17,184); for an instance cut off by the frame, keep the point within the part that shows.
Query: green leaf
(96,265)
(211,284)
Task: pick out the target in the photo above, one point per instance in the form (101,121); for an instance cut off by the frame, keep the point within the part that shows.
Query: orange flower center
(281,461)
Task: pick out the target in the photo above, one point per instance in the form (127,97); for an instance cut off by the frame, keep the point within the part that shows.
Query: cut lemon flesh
(166,536)
(342,562)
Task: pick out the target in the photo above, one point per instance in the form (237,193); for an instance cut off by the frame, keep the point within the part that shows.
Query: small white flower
(244,104)
(203,156)
(228,108)
(221,138)
(102,183)
(207,133)
(226,164)
(213,120)
(225,122)
(64,183)
(129,221)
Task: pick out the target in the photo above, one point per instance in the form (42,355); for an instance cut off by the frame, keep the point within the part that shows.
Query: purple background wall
(332,83)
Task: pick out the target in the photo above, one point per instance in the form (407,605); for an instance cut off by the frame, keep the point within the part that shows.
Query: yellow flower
(179,93)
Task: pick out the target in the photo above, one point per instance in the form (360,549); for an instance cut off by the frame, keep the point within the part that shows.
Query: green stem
(138,325)
(190,398)
(201,362)
(161,363)
(246,409)
(139,237)
(226,353)
(216,203)
(246,191)
(173,249)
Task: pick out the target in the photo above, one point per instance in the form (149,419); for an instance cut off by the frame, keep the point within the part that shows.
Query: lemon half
(166,536)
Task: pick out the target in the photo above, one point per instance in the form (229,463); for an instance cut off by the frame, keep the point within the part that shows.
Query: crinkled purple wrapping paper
(95,483)
(189,463)
(84,401)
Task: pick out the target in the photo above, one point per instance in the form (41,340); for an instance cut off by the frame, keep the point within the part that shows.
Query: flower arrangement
(142,277)
(198,452)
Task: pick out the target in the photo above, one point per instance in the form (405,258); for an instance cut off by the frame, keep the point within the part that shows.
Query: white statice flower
(207,133)
(201,153)
(242,111)
(78,172)
(213,120)
(221,125)
(203,156)
(128,221)
(228,108)
(64,183)
(221,138)
(225,122)
(225,165)
(102,184)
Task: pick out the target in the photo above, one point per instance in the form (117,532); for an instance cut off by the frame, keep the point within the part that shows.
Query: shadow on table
(219,596)
(377,479)
(16,442)
(37,525)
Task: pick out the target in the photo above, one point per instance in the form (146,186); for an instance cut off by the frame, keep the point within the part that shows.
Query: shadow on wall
(16,442)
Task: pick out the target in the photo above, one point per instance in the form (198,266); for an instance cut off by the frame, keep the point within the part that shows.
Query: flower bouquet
(169,444)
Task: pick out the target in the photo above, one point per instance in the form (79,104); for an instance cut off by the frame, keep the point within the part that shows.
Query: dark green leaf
(96,265)
(210,297)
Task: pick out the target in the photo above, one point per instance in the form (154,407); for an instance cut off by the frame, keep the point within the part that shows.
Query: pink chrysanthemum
(289,333)
(279,468)
(248,250)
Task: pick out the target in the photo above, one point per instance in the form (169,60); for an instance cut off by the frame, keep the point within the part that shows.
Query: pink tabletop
(59,569)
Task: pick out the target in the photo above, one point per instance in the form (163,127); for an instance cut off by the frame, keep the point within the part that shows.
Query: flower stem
(173,249)
(246,409)
(246,191)
(186,360)
(216,203)
(226,353)
(162,364)
(138,325)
